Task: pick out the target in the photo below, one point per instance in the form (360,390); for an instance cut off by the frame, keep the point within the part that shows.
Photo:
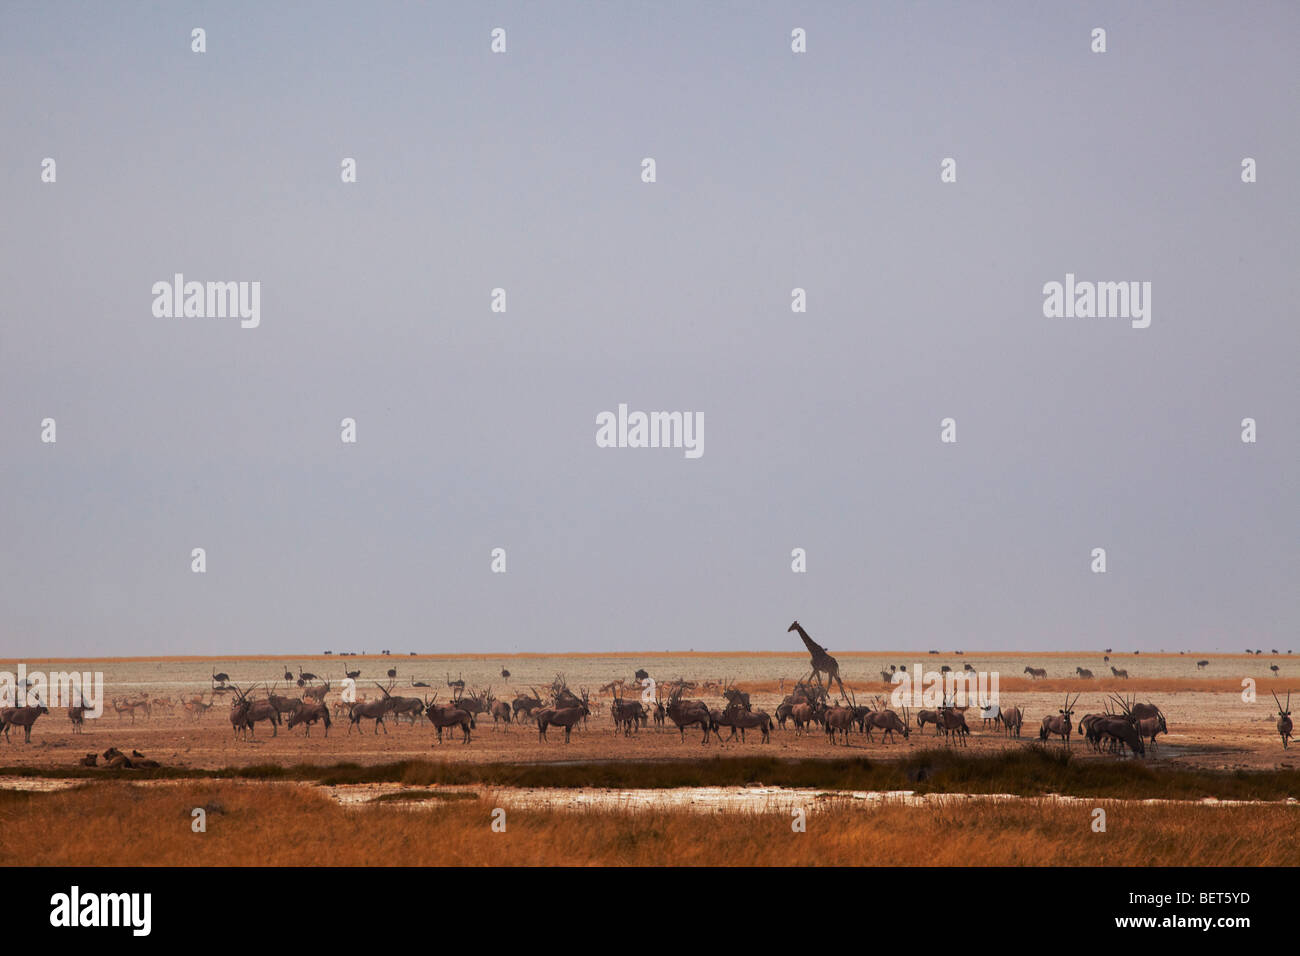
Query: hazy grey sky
(523,171)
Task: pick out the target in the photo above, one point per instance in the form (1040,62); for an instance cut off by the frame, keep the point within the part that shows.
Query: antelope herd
(1122,726)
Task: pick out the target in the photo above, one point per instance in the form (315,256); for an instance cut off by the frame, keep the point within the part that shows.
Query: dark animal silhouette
(822,663)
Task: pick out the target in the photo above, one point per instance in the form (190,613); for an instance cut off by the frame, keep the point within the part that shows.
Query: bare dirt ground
(1210,725)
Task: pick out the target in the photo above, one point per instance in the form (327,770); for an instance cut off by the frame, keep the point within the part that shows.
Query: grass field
(260,824)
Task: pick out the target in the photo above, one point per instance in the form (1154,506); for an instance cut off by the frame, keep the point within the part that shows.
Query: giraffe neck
(808,641)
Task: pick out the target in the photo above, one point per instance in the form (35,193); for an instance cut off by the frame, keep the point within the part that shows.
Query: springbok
(196,708)
(124,705)
(1059,723)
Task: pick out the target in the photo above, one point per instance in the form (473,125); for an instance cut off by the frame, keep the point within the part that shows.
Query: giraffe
(822,663)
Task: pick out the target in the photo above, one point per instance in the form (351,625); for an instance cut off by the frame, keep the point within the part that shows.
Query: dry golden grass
(114,823)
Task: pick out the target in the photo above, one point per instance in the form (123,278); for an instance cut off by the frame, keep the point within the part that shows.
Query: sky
(523,170)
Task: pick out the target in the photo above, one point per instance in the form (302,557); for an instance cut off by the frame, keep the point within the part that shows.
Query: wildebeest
(1059,723)
(1201,665)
